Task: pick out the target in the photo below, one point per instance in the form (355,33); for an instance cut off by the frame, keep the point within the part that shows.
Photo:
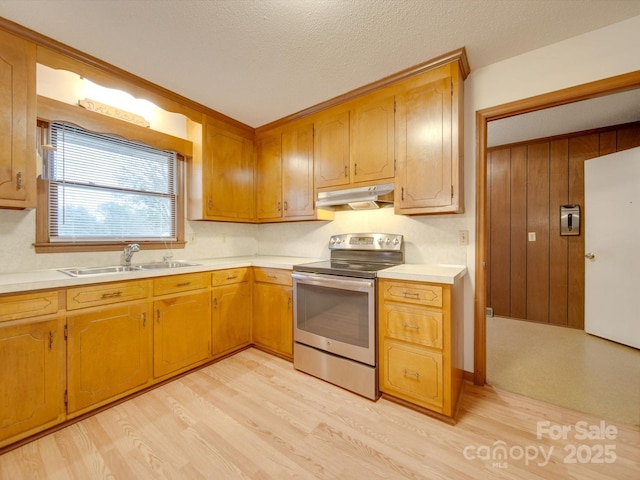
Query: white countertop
(42,279)
(425,273)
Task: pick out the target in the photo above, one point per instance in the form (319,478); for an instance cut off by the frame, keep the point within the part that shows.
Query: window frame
(53,111)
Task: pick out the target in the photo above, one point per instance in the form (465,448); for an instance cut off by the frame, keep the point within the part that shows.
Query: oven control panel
(366,241)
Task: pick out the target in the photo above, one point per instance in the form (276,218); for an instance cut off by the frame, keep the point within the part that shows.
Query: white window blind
(103,188)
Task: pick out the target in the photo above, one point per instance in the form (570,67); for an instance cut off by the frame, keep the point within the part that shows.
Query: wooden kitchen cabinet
(221,173)
(109,353)
(32,365)
(429,144)
(421,351)
(231,311)
(273,311)
(17,122)
(285,181)
(331,148)
(182,323)
(372,138)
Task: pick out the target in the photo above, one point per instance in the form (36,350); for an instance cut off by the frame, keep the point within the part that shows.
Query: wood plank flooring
(252,416)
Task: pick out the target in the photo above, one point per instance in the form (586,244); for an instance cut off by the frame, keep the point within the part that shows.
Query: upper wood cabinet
(221,173)
(372,138)
(285,187)
(429,144)
(331,148)
(17,122)
(354,142)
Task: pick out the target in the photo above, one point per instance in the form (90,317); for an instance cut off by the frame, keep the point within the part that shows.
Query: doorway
(483,117)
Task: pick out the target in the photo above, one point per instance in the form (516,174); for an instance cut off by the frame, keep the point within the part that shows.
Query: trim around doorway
(585,91)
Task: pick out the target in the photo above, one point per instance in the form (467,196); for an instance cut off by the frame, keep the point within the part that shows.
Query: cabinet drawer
(409,292)
(29,305)
(412,323)
(181,283)
(273,275)
(106,293)
(227,277)
(412,373)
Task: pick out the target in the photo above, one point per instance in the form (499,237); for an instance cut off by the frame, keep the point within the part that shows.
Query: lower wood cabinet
(421,351)
(273,311)
(181,332)
(109,354)
(32,377)
(231,311)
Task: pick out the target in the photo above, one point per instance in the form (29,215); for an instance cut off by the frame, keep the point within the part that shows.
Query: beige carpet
(565,367)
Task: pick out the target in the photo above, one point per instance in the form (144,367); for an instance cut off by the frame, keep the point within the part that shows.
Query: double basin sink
(84,271)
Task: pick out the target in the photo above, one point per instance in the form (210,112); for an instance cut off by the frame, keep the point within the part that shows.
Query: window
(104,189)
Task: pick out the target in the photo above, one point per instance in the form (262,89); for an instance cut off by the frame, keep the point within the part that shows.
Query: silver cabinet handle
(406,325)
(590,255)
(410,373)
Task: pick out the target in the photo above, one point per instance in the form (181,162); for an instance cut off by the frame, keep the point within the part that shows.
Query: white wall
(596,55)
(433,239)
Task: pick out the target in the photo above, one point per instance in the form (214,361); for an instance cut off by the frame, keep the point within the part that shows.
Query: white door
(612,247)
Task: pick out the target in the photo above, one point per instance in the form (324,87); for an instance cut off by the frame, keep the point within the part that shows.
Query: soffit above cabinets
(258,61)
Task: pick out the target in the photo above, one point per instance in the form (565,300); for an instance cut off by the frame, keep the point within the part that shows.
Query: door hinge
(66,398)
(66,331)
(451,191)
(452,87)
(394,105)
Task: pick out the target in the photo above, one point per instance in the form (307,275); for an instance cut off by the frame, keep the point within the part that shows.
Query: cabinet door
(109,353)
(17,122)
(181,332)
(331,149)
(273,318)
(33,378)
(372,140)
(424,178)
(269,191)
(231,317)
(228,169)
(297,180)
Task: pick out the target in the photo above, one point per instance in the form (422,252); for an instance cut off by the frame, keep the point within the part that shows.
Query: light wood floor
(253,416)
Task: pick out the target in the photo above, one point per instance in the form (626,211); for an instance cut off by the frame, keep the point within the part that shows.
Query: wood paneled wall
(542,280)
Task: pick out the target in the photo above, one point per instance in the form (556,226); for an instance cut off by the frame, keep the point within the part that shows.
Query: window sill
(104,246)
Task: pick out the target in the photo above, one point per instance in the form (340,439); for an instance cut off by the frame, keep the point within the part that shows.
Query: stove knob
(332,241)
(388,241)
(396,241)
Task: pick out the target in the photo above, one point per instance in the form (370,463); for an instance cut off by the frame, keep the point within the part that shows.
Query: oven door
(336,314)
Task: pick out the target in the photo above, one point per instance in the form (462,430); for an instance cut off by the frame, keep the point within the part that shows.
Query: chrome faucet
(129,250)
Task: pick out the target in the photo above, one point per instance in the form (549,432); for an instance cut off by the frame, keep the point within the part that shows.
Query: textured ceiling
(260,60)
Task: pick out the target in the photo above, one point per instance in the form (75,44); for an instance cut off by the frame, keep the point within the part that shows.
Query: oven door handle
(334,281)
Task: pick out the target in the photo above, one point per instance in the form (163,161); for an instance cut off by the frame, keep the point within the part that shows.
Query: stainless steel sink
(157,265)
(110,269)
(82,271)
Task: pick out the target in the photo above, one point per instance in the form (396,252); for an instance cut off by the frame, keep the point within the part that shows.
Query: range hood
(359,198)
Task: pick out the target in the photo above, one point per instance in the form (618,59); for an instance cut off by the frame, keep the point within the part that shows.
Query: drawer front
(227,277)
(413,373)
(273,275)
(181,283)
(410,292)
(106,293)
(412,324)
(30,305)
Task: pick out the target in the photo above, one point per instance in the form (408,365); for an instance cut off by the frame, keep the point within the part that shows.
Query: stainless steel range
(335,310)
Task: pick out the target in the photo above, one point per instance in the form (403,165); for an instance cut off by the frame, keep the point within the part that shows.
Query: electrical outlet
(463,237)
(193,239)
(532,236)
